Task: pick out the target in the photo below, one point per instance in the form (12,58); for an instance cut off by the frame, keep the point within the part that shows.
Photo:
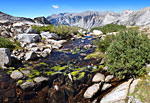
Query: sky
(36,8)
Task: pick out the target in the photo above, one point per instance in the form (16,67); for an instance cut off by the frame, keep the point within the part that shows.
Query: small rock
(16,75)
(27,85)
(98,77)
(89,93)
(106,86)
(30,55)
(88,46)
(47,51)
(148,66)
(108,78)
(43,54)
(105,68)
(56,87)
(39,80)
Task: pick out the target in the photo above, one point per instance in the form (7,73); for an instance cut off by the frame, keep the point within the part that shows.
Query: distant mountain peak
(89,19)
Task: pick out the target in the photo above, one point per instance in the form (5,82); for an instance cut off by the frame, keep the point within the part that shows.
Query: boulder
(98,77)
(117,95)
(89,93)
(27,85)
(47,50)
(97,32)
(18,24)
(108,78)
(39,80)
(48,35)
(5,59)
(56,44)
(28,38)
(31,55)
(106,86)
(16,75)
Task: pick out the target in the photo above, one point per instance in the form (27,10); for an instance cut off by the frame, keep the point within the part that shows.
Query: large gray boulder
(28,38)
(117,95)
(48,35)
(5,59)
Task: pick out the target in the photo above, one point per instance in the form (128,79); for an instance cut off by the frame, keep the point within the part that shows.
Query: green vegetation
(109,28)
(142,90)
(6,43)
(59,68)
(19,81)
(97,55)
(62,30)
(127,55)
(103,44)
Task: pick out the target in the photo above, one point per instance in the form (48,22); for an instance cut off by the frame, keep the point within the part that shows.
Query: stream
(72,53)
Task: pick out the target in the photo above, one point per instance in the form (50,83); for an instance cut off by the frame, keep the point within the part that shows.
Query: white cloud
(55,6)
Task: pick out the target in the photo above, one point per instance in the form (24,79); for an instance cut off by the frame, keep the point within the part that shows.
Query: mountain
(91,19)
(8,18)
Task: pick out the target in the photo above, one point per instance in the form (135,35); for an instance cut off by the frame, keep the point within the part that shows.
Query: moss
(19,81)
(74,73)
(59,68)
(30,80)
(42,64)
(9,72)
(22,69)
(81,75)
(31,76)
(74,52)
(96,55)
(97,68)
(50,73)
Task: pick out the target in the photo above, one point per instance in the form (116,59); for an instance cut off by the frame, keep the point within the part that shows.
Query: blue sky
(35,8)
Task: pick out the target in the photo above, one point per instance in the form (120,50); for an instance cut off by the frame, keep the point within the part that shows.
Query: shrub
(110,28)
(102,45)
(127,55)
(6,43)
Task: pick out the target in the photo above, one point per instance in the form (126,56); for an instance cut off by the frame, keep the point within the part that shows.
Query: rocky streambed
(64,76)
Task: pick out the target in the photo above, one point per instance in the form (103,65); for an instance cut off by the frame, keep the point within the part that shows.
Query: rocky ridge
(91,19)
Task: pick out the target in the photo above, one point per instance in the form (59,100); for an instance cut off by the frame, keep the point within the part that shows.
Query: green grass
(62,30)
(109,28)
(142,90)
